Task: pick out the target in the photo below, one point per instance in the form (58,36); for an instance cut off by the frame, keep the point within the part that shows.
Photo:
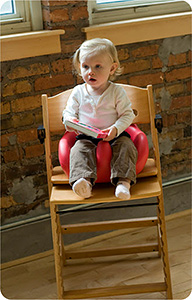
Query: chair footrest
(111,252)
(108,225)
(115,291)
(104,192)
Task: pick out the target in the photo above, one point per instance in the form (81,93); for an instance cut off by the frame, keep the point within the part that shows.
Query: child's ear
(113,68)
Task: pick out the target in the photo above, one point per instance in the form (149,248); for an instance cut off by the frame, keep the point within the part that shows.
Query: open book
(86,129)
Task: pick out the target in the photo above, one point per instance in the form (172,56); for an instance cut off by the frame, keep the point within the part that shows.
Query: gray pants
(123,162)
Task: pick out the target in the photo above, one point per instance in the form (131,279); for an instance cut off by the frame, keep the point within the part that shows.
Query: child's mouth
(92,79)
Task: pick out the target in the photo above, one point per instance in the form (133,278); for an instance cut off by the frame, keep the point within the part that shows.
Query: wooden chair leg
(159,234)
(164,248)
(58,250)
(61,244)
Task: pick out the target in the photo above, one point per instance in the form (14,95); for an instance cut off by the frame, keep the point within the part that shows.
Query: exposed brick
(182,144)
(70,46)
(189,85)
(7,201)
(27,103)
(169,120)
(145,79)
(157,63)
(173,134)
(59,15)
(45,83)
(178,74)
(136,66)
(26,135)
(54,146)
(46,15)
(79,13)
(80,80)
(34,151)
(6,139)
(184,116)
(145,51)
(11,155)
(7,123)
(39,117)
(62,65)
(57,2)
(180,102)
(5,108)
(45,2)
(177,59)
(175,89)
(190,55)
(123,81)
(22,120)
(18,87)
(157,92)
(70,31)
(179,168)
(31,70)
(190,154)
(157,107)
(164,172)
(187,131)
(123,54)
(175,157)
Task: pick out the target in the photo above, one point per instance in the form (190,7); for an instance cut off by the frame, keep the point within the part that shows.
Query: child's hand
(112,132)
(70,129)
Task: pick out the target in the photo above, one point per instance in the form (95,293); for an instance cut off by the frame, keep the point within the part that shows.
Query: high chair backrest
(142,103)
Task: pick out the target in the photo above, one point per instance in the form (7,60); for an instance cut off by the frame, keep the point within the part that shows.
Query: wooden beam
(115,291)
(143,29)
(113,251)
(108,225)
(18,46)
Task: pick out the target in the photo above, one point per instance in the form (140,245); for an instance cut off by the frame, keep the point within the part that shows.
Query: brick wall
(163,63)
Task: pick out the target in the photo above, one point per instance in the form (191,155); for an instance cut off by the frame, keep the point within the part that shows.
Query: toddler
(103,104)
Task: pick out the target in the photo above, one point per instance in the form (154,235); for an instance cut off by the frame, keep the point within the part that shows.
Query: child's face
(96,69)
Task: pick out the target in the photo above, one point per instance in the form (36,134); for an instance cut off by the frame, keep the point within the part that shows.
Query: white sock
(82,188)
(122,190)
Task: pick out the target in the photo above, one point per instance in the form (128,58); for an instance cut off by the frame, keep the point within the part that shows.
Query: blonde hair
(97,45)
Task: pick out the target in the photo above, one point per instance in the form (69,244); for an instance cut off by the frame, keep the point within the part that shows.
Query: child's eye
(85,67)
(98,66)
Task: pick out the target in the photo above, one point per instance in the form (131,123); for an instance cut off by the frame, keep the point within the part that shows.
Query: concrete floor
(31,238)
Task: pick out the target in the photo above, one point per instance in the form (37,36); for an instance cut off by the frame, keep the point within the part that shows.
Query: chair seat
(104,192)
(59,177)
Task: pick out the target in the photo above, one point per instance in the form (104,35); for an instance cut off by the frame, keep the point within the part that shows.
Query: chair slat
(75,254)
(108,225)
(139,99)
(115,291)
(56,105)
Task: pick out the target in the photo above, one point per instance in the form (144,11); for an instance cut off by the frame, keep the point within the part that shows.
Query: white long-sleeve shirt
(113,107)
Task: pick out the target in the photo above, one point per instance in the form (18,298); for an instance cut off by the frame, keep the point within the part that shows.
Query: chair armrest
(158,122)
(41,134)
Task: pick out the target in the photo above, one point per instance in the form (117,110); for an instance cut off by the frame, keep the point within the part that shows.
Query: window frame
(119,11)
(28,18)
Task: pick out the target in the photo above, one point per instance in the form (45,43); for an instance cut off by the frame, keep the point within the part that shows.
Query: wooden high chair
(149,184)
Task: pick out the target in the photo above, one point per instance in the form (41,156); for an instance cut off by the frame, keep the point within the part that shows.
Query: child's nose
(91,72)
